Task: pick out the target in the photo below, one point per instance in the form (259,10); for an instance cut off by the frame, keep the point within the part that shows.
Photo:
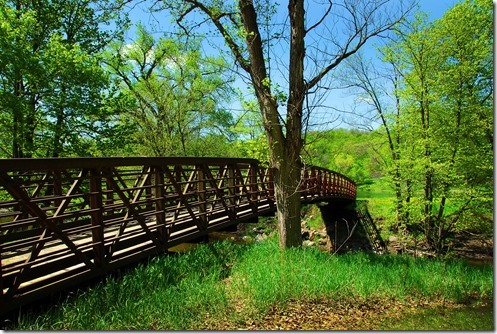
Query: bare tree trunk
(17,121)
(284,132)
(57,144)
(284,150)
(287,178)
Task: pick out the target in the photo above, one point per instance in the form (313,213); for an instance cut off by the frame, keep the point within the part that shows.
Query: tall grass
(178,292)
(268,275)
(168,292)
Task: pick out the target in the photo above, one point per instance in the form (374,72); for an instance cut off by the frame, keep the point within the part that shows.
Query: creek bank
(474,248)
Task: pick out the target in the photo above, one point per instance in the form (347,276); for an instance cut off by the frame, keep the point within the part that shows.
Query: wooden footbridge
(64,221)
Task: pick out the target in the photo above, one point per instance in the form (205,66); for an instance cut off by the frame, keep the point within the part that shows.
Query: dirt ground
(324,314)
(474,247)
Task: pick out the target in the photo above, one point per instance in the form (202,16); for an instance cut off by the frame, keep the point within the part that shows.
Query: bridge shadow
(350,227)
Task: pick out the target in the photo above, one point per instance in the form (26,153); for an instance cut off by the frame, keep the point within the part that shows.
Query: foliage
(354,153)
(173,95)
(434,99)
(52,85)
(251,141)
(448,114)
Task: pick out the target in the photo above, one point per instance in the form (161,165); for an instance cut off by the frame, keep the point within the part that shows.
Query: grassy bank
(231,284)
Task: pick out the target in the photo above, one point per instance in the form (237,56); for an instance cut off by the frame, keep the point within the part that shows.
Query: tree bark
(287,178)
(284,150)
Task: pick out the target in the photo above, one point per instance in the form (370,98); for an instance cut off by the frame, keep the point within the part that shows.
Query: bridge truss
(64,221)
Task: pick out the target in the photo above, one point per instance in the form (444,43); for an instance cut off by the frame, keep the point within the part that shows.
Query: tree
(464,86)
(250,132)
(175,96)
(376,88)
(51,81)
(442,120)
(313,49)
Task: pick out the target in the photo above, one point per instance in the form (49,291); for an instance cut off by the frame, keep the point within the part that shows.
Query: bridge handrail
(37,164)
(24,164)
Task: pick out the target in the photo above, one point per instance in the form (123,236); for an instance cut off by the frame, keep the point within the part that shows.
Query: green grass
(440,318)
(168,292)
(269,275)
(379,188)
(381,200)
(178,292)
(313,217)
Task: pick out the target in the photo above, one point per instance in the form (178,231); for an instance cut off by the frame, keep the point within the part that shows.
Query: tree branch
(321,20)
(216,19)
(362,33)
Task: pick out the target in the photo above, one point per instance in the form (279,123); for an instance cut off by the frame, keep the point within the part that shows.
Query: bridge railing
(66,220)
(321,184)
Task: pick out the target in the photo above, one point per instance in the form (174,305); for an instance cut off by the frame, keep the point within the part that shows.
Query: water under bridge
(64,221)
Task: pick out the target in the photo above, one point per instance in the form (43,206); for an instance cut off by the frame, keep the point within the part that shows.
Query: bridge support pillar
(345,231)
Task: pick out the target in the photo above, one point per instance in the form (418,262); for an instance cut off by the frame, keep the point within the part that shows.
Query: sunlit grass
(268,275)
(180,291)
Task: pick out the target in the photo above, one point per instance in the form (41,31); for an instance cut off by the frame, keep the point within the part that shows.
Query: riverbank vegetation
(225,285)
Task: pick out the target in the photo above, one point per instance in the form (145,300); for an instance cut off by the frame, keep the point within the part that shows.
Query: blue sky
(337,99)
(436,8)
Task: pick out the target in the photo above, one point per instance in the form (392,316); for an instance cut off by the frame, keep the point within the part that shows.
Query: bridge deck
(64,221)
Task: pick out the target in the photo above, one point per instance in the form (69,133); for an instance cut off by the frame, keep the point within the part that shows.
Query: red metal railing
(66,220)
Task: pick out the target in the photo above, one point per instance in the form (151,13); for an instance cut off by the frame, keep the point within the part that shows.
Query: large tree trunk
(284,146)
(289,173)
(287,178)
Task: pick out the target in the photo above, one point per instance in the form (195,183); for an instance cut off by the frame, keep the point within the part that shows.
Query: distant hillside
(358,154)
